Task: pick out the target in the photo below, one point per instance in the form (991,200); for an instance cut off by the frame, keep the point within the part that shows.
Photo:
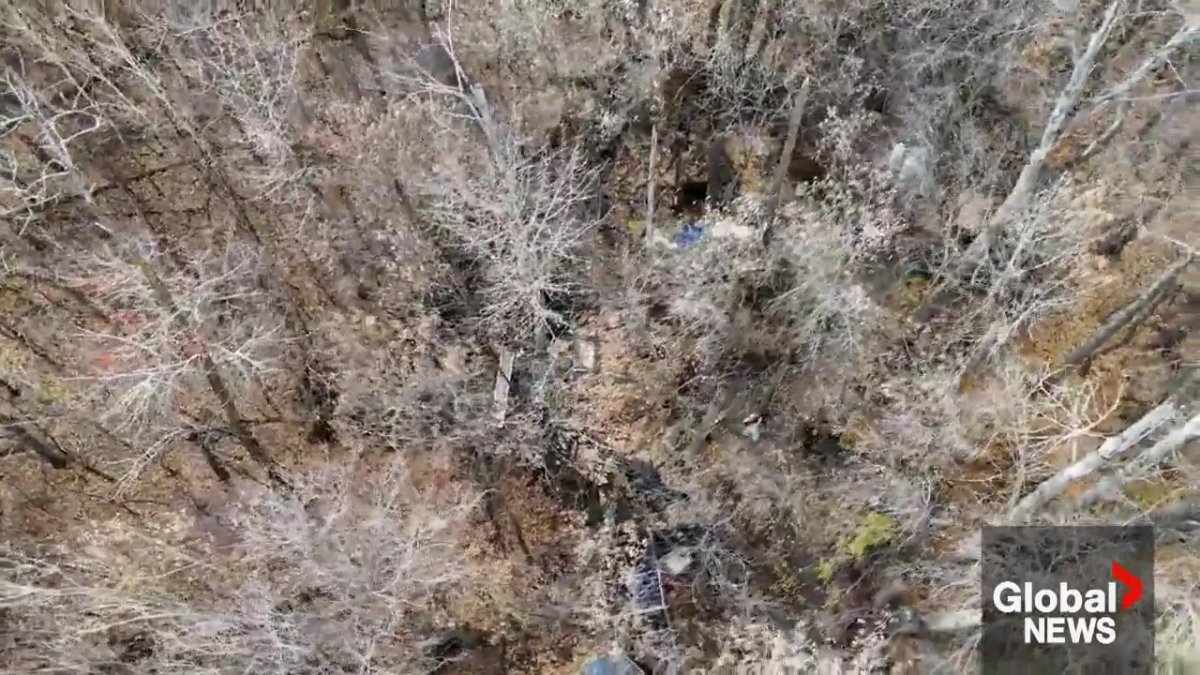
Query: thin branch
(1153,456)
(650,182)
(1098,144)
(26,439)
(1111,449)
(503,382)
(1182,37)
(789,147)
(1126,315)
(1063,112)
(1177,519)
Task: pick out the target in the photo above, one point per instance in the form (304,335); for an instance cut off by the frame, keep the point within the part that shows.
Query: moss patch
(876,530)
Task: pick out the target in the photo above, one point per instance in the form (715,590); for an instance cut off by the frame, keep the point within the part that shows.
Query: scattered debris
(665,566)
(694,232)
(752,427)
(677,561)
(645,587)
(916,271)
(691,234)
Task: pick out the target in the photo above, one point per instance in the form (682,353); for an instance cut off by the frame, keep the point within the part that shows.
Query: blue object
(610,665)
(691,234)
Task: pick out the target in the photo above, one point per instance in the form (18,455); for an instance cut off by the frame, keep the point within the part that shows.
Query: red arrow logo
(1131,582)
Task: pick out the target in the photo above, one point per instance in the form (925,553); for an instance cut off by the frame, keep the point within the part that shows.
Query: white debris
(752,427)
(677,561)
(896,159)
(728,229)
(911,167)
(585,354)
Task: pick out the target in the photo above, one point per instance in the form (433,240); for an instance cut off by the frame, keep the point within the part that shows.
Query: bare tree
(1067,105)
(165,321)
(159,359)
(520,216)
(333,575)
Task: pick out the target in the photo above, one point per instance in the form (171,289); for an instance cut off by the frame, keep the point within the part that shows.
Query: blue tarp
(691,234)
(610,665)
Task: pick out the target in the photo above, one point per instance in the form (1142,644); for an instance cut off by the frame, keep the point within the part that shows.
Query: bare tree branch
(1184,36)
(1098,144)
(1125,315)
(1156,454)
(651,180)
(771,200)
(1111,449)
(1064,109)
